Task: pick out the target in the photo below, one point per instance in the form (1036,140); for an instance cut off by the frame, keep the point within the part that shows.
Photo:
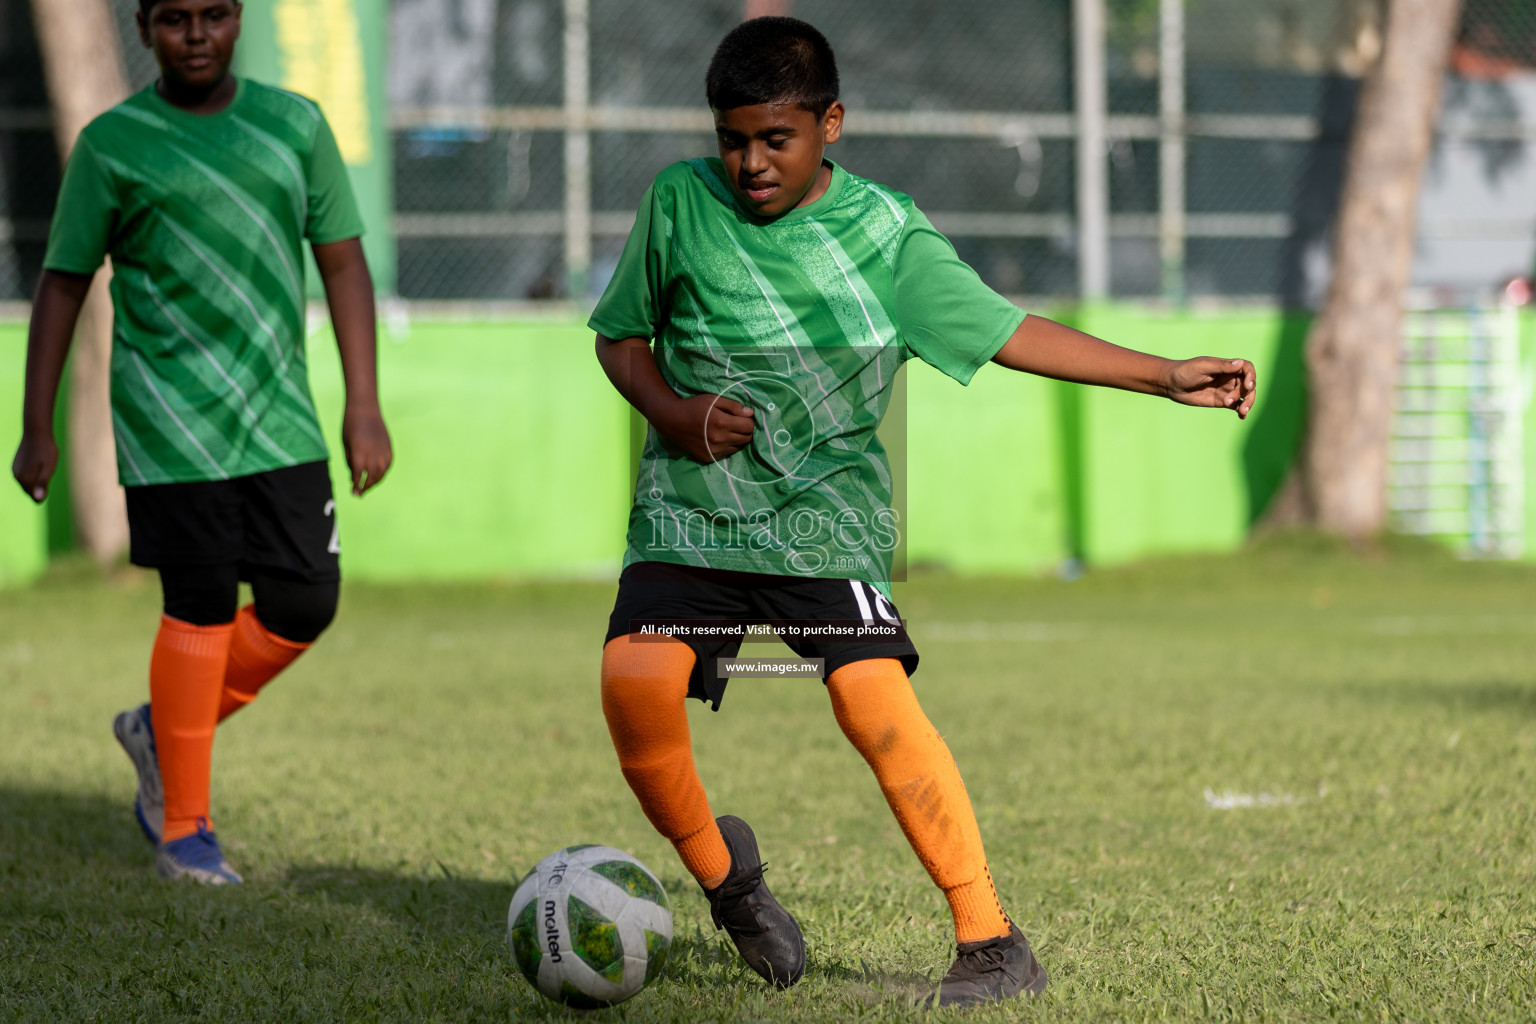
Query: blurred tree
(1339,482)
(83,63)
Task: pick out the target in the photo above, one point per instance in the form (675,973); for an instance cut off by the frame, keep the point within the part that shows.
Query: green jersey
(204,217)
(805,319)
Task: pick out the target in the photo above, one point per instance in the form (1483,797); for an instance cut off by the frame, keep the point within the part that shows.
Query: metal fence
(1042,136)
(1069,148)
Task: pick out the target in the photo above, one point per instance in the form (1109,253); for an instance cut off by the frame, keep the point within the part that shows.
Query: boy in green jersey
(202,189)
(782,293)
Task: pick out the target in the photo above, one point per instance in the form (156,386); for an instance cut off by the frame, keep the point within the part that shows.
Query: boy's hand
(36,459)
(706,427)
(366,441)
(1212,383)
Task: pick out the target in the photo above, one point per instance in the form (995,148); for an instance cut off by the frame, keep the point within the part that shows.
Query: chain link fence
(525,131)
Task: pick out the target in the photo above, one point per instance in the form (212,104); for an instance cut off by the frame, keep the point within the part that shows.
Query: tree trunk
(83,64)
(1339,484)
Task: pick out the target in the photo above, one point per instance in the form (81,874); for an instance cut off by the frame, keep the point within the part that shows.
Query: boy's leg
(290,553)
(190,533)
(186,676)
(200,598)
(645,683)
(283,620)
(879,713)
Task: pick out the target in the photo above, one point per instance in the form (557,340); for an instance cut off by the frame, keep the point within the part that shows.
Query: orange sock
(879,713)
(186,673)
(256,654)
(645,683)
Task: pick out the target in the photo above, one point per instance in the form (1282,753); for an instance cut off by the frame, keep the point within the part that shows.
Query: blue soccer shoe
(137,736)
(197,856)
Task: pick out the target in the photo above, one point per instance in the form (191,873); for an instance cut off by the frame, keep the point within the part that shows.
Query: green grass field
(1289,785)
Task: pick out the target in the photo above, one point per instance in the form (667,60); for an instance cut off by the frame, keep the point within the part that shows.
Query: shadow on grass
(442,908)
(1499,697)
(64,834)
(88,932)
(432,902)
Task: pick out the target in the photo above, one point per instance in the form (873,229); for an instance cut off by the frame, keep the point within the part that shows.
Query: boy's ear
(832,122)
(143,24)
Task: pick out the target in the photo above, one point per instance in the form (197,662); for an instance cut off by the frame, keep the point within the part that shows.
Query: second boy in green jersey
(203,189)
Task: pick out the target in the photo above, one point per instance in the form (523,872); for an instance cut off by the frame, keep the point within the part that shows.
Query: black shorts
(283,520)
(710,610)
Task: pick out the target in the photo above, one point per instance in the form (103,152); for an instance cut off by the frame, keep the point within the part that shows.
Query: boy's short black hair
(146,5)
(772,60)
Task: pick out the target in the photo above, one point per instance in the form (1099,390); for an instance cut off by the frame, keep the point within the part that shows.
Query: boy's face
(772,153)
(193,40)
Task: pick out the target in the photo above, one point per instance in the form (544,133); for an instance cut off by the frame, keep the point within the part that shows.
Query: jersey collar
(172,109)
(827,200)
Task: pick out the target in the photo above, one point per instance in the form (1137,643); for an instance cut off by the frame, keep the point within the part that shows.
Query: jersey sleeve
(333,215)
(633,304)
(86,217)
(947,317)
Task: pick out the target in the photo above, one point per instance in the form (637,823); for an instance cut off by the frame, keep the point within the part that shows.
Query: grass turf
(1290,785)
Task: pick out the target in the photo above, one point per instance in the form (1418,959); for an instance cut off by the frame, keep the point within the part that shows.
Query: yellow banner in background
(320,53)
(335,52)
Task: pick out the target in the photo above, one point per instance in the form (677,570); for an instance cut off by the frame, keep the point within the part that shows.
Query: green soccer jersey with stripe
(204,217)
(806,319)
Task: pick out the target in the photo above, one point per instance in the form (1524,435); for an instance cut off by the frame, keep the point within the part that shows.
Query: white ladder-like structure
(1456,462)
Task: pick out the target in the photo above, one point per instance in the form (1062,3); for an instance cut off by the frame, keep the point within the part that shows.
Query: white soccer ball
(590,926)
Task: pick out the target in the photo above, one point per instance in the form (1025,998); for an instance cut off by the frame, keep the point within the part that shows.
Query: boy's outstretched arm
(706,427)
(349,293)
(1049,349)
(55,308)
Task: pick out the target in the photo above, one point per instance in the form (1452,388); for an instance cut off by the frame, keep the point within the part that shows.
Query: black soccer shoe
(992,970)
(765,934)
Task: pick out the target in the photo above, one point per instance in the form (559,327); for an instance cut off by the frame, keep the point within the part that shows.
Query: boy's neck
(818,187)
(208,100)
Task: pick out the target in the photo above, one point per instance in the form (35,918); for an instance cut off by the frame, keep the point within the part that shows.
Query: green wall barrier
(984,472)
(511,455)
(1159,478)
(514,456)
(23,525)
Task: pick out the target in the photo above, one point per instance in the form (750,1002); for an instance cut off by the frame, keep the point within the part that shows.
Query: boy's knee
(646,670)
(201,595)
(643,689)
(873,731)
(294,610)
(875,705)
